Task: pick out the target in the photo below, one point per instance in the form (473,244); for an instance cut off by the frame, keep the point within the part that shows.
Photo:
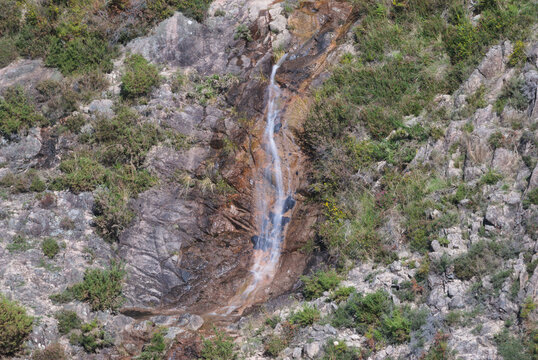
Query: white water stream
(274,201)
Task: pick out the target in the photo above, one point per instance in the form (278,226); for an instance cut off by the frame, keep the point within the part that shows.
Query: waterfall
(273,202)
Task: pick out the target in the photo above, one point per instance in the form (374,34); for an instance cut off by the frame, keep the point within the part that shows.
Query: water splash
(274,202)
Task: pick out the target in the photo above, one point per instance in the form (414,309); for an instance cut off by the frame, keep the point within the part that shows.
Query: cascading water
(274,202)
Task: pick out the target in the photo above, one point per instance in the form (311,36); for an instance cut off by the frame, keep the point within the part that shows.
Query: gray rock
(312,350)
(297,353)
(26,73)
(101,107)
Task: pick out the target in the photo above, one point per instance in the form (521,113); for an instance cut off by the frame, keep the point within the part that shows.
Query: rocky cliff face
(187,248)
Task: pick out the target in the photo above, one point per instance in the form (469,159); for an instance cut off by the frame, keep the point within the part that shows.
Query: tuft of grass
(19,244)
(53,351)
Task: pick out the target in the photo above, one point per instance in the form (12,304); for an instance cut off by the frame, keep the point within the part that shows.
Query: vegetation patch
(307,316)
(316,284)
(220,347)
(50,247)
(91,337)
(15,326)
(67,321)
(51,352)
(156,347)
(100,288)
(17,112)
(140,77)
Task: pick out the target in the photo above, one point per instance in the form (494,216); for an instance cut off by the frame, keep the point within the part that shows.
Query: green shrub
(220,347)
(482,258)
(396,327)
(273,345)
(513,96)
(342,294)
(15,326)
(23,182)
(496,140)
(531,198)
(305,317)
(75,122)
(490,178)
(17,112)
(510,347)
(8,51)
(78,54)
(140,77)
(52,352)
(439,349)
(91,337)
(338,350)
(195,9)
(124,138)
(273,321)
(50,247)
(363,311)
(155,349)
(10,17)
(112,212)
(518,54)
(100,288)
(460,41)
(81,173)
(242,32)
(67,321)
(316,284)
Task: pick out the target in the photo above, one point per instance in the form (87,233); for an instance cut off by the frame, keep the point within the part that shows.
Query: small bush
(220,347)
(305,317)
(273,345)
(10,17)
(124,138)
(15,326)
(490,178)
(74,123)
(512,95)
(396,327)
(78,54)
(531,198)
(100,288)
(24,182)
(81,174)
(482,258)
(361,312)
(140,77)
(243,32)
(273,321)
(338,350)
(342,294)
(510,347)
(17,112)
(50,247)
(52,352)
(518,54)
(315,285)
(155,349)
(67,321)
(496,140)
(8,51)
(91,337)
